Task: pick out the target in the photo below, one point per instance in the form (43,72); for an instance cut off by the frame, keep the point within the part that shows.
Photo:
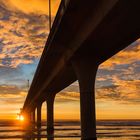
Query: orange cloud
(126,56)
(11,100)
(66,96)
(32,6)
(122,91)
(22,38)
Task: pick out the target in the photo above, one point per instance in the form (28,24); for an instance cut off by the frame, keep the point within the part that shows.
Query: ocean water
(106,130)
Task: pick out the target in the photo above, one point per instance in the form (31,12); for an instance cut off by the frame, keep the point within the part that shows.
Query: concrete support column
(39,115)
(33,116)
(85,69)
(28,118)
(50,112)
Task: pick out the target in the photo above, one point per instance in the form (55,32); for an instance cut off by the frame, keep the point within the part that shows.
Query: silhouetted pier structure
(84,35)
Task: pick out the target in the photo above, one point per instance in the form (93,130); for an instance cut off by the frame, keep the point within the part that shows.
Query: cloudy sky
(23,33)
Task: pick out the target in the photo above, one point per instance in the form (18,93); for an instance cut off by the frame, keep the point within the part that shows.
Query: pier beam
(39,115)
(85,69)
(50,112)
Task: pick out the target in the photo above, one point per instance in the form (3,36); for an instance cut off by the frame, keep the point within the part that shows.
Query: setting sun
(20,117)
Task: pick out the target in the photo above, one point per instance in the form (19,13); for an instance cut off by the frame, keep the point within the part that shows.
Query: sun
(20,117)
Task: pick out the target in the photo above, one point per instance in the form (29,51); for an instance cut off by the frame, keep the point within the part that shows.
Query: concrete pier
(50,112)
(85,70)
(100,30)
(39,115)
(27,116)
(33,117)
(33,123)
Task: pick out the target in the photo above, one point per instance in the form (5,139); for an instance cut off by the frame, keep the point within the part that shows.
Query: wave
(105,129)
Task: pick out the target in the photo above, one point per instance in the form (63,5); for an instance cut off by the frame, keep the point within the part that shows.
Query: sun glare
(20,117)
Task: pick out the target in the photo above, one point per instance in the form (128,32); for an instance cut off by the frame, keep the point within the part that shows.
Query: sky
(24,30)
